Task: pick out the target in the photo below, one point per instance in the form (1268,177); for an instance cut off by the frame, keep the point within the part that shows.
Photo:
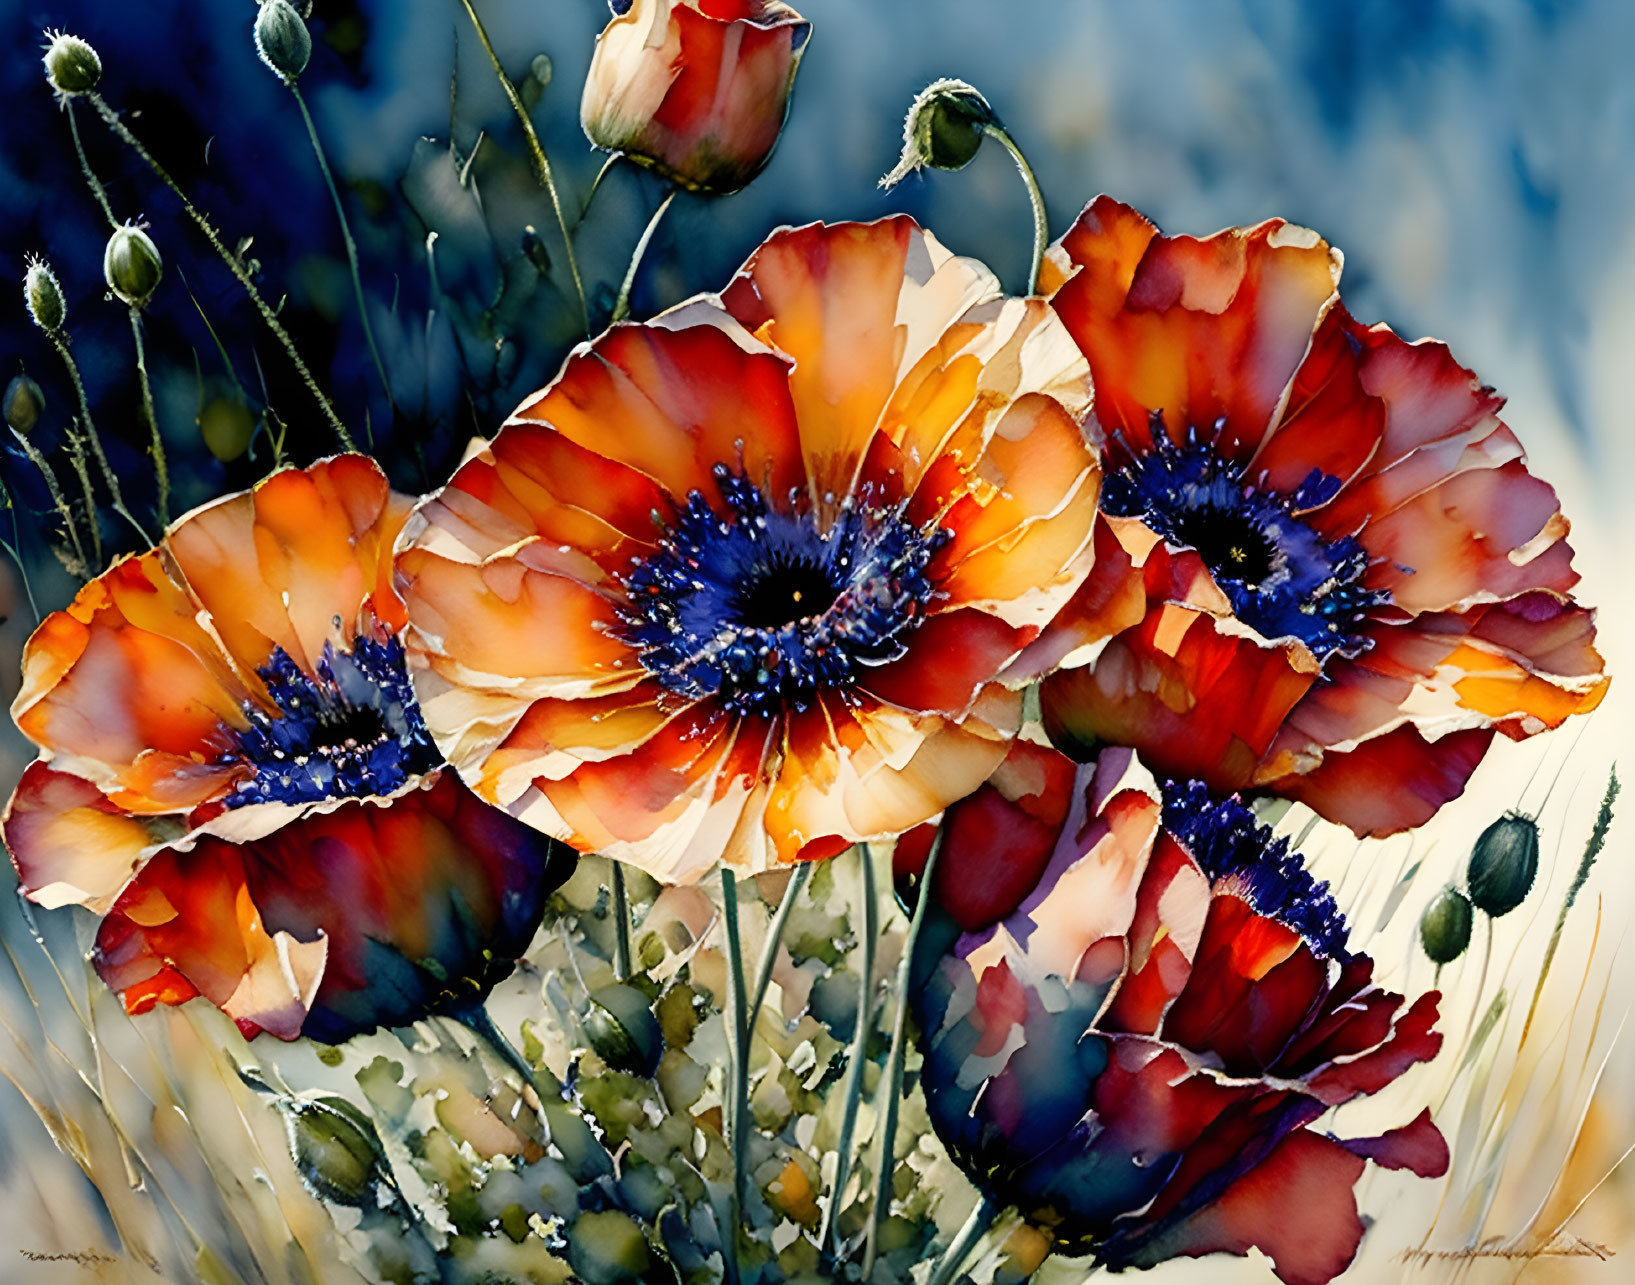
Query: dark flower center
(353,731)
(766,607)
(1279,574)
(1230,845)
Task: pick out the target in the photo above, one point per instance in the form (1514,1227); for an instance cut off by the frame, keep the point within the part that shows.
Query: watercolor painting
(723,641)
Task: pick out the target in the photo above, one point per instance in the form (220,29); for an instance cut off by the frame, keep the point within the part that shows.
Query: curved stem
(109,477)
(1041,228)
(621,924)
(346,239)
(63,511)
(542,165)
(959,1249)
(111,118)
(774,935)
(859,1050)
(161,471)
(621,307)
(892,1088)
(596,185)
(15,548)
(737,1024)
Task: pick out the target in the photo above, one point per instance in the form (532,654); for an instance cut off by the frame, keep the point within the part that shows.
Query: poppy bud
(71,65)
(334,1147)
(1503,864)
(607,1247)
(23,403)
(944,129)
(226,425)
(623,1030)
(43,295)
(131,265)
(1444,928)
(282,39)
(695,90)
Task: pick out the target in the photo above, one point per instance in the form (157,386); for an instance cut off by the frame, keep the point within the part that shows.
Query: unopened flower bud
(71,65)
(623,1030)
(607,1247)
(334,1148)
(944,129)
(1444,928)
(23,403)
(282,38)
(43,295)
(1503,864)
(226,424)
(132,265)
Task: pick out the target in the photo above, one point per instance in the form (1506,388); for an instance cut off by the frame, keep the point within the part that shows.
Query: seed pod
(1503,864)
(608,1248)
(623,1030)
(1444,928)
(282,38)
(43,295)
(944,129)
(335,1149)
(71,65)
(23,403)
(131,265)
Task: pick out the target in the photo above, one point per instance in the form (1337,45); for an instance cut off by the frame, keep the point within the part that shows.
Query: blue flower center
(1281,577)
(1229,844)
(354,731)
(765,607)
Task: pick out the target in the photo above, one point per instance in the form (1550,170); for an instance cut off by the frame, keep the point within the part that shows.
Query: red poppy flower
(1130,1034)
(696,89)
(1326,570)
(234,772)
(739,584)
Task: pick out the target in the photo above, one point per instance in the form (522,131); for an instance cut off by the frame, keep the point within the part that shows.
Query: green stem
(774,934)
(161,471)
(959,1249)
(892,1088)
(15,548)
(63,511)
(76,457)
(621,307)
(346,240)
(542,165)
(621,924)
(737,1025)
(1041,228)
(85,167)
(596,184)
(109,478)
(111,118)
(853,1091)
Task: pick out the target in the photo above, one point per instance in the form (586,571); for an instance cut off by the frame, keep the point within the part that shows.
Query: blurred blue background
(1475,159)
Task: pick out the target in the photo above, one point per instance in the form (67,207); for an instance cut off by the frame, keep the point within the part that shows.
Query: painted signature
(83,1257)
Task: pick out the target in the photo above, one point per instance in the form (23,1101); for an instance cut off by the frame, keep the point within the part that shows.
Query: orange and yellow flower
(695,89)
(739,585)
(233,772)
(1323,567)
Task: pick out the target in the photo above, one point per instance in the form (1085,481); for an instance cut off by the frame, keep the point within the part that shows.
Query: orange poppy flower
(234,773)
(695,89)
(739,584)
(1324,568)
